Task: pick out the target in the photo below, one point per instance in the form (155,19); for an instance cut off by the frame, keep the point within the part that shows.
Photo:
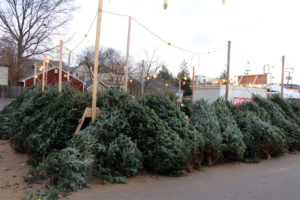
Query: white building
(3,75)
(236,94)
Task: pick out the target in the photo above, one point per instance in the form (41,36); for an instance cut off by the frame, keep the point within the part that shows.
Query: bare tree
(109,59)
(29,26)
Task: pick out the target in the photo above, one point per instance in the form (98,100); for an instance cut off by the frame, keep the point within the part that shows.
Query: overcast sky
(261,31)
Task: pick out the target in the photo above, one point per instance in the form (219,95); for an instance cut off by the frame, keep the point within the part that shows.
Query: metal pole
(127,54)
(44,68)
(228,67)
(179,86)
(60,67)
(97,45)
(282,76)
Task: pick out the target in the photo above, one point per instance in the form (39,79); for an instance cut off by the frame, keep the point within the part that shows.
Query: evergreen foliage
(205,121)
(169,112)
(45,122)
(277,118)
(261,139)
(232,138)
(163,150)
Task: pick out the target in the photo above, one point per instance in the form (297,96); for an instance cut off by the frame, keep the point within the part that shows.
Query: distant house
(81,72)
(4,71)
(51,77)
(113,78)
(100,87)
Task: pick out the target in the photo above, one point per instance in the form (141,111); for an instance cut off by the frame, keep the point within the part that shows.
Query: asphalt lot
(275,179)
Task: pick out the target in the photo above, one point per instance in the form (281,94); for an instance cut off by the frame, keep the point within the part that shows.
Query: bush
(205,121)
(232,137)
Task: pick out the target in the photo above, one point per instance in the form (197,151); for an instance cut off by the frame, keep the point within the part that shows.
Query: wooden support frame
(87,114)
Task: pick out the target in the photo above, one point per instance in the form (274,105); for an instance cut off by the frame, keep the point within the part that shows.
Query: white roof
(286,92)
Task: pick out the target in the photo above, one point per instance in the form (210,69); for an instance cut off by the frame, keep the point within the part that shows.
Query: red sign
(238,101)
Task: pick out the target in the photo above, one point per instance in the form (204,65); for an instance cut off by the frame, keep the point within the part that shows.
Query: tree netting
(232,137)
(206,122)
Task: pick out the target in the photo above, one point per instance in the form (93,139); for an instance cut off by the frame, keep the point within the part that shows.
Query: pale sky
(261,32)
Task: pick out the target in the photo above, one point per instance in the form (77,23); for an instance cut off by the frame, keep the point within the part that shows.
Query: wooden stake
(193,80)
(69,63)
(60,67)
(282,76)
(35,67)
(228,68)
(143,79)
(127,55)
(44,69)
(95,80)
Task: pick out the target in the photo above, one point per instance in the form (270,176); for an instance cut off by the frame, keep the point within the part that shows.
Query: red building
(51,78)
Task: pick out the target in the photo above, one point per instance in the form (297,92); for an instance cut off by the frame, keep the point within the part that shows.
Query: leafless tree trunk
(29,26)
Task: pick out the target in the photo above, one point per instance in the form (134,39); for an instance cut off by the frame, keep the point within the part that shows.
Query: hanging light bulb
(68,52)
(165,4)
(185,78)
(76,57)
(47,61)
(167,84)
(55,54)
(130,81)
(223,1)
(125,67)
(41,68)
(148,78)
(154,76)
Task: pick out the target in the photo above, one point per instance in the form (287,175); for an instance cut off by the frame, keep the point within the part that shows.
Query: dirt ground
(13,168)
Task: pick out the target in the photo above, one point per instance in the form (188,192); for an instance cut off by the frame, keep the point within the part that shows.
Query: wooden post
(35,67)
(143,79)
(95,80)
(127,55)
(282,76)
(193,80)
(69,63)
(44,69)
(60,67)
(179,86)
(228,68)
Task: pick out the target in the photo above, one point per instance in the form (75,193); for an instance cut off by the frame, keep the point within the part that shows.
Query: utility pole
(193,80)
(127,54)
(95,80)
(60,67)
(179,86)
(143,79)
(44,69)
(282,76)
(228,68)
